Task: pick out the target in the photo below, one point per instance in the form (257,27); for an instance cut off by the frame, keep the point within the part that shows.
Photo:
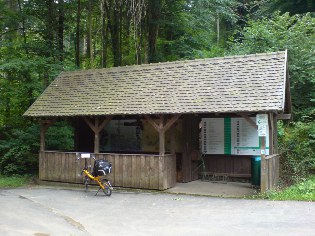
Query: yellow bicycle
(100,169)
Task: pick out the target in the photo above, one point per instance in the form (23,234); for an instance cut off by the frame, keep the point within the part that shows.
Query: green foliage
(60,136)
(19,147)
(304,190)
(38,38)
(18,151)
(190,31)
(14,181)
(297,148)
(297,35)
(292,6)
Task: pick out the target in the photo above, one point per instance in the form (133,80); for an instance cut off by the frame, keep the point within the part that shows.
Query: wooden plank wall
(129,170)
(271,177)
(232,165)
(60,167)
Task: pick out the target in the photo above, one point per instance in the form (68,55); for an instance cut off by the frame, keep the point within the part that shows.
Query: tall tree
(77,36)
(154,18)
(89,42)
(61,16)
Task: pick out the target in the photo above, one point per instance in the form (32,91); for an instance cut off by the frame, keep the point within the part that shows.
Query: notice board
(234,136)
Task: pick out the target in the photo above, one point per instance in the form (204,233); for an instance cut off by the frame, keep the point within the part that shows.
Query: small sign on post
(262,123)
(262,130)
(262,119)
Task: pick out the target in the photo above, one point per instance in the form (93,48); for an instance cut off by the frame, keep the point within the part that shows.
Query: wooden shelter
(162,95)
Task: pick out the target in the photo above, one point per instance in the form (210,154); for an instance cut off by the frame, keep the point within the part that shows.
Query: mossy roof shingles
(251,83)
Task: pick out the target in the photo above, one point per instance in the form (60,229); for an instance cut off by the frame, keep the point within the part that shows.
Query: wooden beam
(97,128)
(271,128)
(284,116)
(161,128)
(153,123)
(44,125)
(89,123)
(96,136)
(249,120)
(162,143)
(263,171)
(173,141)
(105,122)
(171,122)
(275,135)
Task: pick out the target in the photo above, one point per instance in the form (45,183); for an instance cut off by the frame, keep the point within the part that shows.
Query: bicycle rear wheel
(107,187)
(86,184)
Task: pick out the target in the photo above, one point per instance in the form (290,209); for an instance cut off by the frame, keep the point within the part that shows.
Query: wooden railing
(269,172)
(129,170)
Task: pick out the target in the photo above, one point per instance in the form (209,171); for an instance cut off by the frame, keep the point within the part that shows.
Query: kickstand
(98,191)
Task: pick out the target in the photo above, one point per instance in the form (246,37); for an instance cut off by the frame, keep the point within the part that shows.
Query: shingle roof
(250,83)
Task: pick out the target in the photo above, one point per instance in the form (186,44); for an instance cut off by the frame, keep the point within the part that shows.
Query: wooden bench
(220,176)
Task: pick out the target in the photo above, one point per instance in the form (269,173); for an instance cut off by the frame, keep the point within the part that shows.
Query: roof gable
(251,83)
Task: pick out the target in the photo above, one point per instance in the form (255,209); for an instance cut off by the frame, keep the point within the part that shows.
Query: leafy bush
(297,148)
(19,147)
(60,137)
(18,151)
(304,190)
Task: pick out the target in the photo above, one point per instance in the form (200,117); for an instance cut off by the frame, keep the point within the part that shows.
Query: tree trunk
(154,10)
(60,28)
(89,50)
(23,26)
(218,29)
(77,40)
(113,24)
(104,34)
(50,26)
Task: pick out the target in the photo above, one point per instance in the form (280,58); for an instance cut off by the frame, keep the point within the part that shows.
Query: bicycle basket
(101,168)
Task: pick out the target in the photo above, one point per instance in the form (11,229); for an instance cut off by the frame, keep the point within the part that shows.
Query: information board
(245,139)
(235,136)
(213,136)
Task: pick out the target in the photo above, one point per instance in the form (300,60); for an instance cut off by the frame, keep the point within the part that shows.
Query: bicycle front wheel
(107,188)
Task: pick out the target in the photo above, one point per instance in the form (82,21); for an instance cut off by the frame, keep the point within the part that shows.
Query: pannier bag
(101,168)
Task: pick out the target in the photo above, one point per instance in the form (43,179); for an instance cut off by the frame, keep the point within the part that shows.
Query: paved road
(44,211)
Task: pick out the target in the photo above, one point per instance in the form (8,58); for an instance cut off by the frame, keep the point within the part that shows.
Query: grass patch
(14,181)
(303,191)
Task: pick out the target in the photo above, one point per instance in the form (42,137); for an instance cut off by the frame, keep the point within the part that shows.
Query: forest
(41,38)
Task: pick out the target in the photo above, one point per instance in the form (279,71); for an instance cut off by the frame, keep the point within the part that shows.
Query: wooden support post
(97,136)
(173,141)
(161,129)
(97,128)
(275,134)
(275,149)
(264,176)
(44,125)
(162,143)
(271,141)
(161,136)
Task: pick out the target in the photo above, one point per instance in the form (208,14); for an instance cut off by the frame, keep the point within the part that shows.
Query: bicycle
(100,169)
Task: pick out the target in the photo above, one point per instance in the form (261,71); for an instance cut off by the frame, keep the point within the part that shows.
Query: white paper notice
(213,135)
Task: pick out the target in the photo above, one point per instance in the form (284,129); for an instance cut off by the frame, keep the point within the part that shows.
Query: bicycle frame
(97,179)
(103,183)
